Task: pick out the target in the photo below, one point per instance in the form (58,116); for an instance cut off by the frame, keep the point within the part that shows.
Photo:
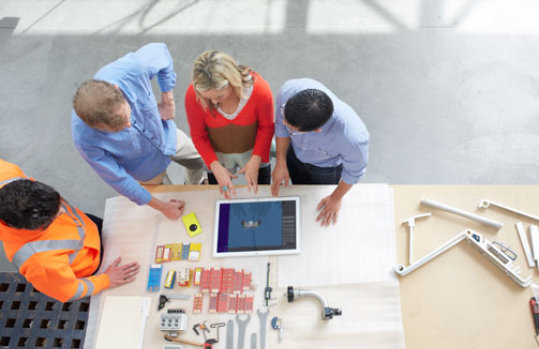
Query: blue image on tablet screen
(250,226)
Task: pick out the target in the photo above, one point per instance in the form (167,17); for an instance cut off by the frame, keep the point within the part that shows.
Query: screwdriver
(534,304)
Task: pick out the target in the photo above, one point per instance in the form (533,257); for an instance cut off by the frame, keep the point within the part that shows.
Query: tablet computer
(252,227)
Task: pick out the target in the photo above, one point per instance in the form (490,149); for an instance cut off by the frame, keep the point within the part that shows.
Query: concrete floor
(449,90)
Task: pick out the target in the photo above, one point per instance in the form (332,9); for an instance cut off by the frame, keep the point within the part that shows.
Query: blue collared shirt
(142,151)
(344,139)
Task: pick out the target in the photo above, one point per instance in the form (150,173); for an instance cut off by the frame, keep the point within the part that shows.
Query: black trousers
(99,222)
(304,173)
(264,176)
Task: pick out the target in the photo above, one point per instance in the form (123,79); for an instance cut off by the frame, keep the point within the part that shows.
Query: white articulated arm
(501,256)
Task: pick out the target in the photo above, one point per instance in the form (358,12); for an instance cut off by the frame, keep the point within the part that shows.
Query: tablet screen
(257,226)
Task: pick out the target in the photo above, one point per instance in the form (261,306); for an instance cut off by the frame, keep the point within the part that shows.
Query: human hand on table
(119,275)
(224,179)
(172,209)
(279,175)
(250,170)
(329,208)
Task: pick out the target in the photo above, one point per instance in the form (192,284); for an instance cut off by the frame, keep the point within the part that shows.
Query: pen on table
(534,304)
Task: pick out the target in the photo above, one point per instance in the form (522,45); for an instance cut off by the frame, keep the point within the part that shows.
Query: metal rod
(457,211)
(525,244)
(486,203)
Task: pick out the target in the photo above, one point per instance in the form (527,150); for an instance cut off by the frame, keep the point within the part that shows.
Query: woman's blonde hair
(217,70)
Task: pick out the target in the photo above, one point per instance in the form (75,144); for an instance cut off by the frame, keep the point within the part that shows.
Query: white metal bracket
(486,203)
(500,256)
(411,224)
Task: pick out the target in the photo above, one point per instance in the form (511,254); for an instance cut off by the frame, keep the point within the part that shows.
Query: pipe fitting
(327,311)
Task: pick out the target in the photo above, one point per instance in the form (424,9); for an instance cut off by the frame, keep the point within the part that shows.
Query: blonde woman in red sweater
(229,108)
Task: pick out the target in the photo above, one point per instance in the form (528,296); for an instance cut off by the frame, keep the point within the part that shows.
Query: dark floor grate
(29,319)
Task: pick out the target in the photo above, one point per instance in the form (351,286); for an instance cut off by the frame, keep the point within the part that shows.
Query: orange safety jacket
(59,260)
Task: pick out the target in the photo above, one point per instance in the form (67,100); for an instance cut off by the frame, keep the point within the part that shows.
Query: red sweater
(257,111)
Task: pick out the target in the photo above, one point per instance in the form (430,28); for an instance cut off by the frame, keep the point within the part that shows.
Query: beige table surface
(460,299)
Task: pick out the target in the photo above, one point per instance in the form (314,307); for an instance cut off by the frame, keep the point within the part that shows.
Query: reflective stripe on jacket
(59,260)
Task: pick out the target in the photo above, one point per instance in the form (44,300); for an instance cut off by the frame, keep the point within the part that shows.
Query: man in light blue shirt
(329,141)
(125,135)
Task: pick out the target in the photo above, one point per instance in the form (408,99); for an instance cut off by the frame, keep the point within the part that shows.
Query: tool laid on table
(484,203)
(217,326)
(457,211)
(208,342)
(534,304)
(172,346)
(277,324)
(229,335)
(253,340)
(327,312)
(203,327)
(163,299)
(242,324)
(267,289)
(498,253)
(262,316)
(411,224)
(183,341)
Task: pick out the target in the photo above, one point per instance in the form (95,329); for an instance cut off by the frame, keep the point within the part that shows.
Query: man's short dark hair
(26,204)
(308,110)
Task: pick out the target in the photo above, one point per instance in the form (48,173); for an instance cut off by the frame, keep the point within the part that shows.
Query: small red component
(248,305)
(215,280)
(228,281)
(246,283)
(222,302)
(232,303)
(237,284)
(241,304)
(205,281)
(197,305)
(213,302)
(159,254)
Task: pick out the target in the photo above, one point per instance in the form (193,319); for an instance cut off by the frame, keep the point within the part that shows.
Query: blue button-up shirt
(344,139)
(142,151)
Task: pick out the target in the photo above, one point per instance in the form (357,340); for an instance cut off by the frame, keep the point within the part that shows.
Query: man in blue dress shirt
(330,143)
(125,135)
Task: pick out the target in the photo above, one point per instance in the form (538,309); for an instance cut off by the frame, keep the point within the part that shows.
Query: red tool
(534,304)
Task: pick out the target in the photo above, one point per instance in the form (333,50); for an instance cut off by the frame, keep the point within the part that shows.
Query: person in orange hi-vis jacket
(55,246)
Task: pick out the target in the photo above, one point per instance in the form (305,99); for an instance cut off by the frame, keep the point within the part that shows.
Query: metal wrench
(253,340)
(229,334)
(242,324)
(262,316)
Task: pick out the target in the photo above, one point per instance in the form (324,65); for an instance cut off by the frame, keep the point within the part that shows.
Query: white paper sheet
(122,322)
(359,248)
